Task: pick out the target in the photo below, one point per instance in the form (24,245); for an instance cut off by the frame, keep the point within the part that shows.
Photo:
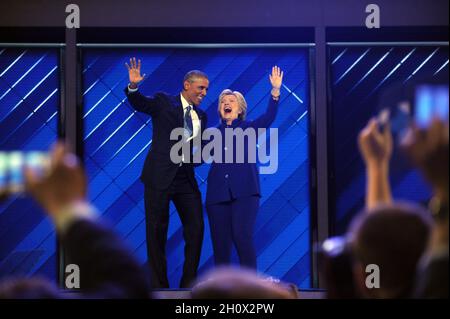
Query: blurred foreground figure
(335,260)
(107,268)
(29,288)
(428,149)
(227,282)
(391,237)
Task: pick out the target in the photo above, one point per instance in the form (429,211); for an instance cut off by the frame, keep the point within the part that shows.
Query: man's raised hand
(134,72)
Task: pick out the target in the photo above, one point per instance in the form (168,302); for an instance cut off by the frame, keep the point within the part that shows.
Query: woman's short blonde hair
(240,99)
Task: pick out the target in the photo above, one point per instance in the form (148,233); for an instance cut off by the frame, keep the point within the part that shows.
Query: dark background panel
(359,76)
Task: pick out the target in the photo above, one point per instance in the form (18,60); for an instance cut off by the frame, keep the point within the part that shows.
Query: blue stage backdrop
(29,103)
(117,140)
(357,76)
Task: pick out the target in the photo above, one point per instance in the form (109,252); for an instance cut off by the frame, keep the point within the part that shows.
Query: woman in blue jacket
(232,196)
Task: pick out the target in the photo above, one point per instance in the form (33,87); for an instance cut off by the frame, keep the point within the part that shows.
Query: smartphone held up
(13,165)
(418,102)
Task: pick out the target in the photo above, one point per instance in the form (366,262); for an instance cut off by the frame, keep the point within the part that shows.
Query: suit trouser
(188,203)
(233,222)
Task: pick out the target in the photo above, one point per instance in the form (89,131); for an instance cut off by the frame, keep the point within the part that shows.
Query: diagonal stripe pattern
(29,103)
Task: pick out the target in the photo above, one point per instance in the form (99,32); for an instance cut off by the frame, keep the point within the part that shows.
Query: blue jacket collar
(234,124)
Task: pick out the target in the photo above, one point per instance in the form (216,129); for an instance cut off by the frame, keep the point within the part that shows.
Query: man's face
(195,91)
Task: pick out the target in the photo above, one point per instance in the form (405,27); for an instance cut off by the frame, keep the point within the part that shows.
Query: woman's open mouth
(227,110)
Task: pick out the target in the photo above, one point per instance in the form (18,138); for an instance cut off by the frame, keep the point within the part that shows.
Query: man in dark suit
(166,179)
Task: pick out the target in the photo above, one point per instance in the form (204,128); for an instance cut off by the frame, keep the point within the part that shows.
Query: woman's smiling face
(229,108)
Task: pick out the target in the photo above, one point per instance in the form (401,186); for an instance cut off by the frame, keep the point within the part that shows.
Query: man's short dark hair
(192,75)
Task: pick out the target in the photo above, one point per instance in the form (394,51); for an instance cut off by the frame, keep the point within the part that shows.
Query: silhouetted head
(393,238)
(28,288)
(227,282)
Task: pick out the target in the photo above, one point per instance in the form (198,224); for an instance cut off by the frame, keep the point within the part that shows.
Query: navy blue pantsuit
(232,197)
(233,222)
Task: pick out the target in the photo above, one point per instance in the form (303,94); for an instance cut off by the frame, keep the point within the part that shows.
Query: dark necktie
(188,122)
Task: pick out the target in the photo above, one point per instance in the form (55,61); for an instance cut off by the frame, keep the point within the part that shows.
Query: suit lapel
(178,108)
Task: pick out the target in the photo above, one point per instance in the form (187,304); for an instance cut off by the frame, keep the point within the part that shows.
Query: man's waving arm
(141,103)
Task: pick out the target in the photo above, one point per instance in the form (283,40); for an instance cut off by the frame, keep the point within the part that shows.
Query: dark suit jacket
(167,114)
(227,181)
(107,268)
